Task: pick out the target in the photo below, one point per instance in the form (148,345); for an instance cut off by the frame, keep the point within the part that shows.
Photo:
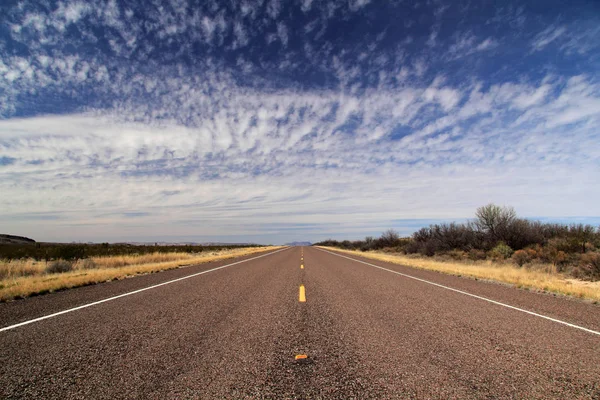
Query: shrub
(534,252)
(87,263)
(501,251)
(555,253)
(497,232)
(367,244)
(429,248)
(59,266)
(589,267)
(494,221)
(413,247)
(520,233)
(521,257)
(560,259)
(476,254)
(457,255)
(389,238)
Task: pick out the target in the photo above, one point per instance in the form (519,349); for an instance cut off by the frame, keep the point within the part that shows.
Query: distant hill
(299,244)
(11,239)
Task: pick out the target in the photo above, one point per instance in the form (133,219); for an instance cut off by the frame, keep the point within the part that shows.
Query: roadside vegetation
(80,265)
(77,251)
(498,245)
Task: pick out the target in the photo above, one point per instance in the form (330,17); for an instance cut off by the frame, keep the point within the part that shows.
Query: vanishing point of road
(299,323)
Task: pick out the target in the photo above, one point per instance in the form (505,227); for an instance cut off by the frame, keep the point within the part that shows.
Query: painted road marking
(301,266)
(302,294)
(31,321)
(301,357)
(471,294)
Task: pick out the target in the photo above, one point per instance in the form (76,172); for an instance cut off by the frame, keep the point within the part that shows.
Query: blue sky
(272,121)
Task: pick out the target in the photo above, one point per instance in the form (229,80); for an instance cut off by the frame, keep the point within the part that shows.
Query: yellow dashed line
(301,357)
(301,266)
(302,294)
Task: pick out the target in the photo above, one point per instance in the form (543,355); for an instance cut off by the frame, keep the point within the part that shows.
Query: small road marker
(301,266)
(302,294)
(300,357)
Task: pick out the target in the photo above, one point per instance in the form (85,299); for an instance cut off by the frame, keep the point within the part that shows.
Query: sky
(271,121)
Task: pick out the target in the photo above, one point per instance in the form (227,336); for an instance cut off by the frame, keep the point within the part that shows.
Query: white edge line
(31,321)
(470,294)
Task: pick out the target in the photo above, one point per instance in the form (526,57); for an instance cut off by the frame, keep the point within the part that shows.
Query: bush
(476,254)
(521,233)
(534,252)
(589,267)
(556,253)
(429,248)
(457,255)
(413,247)
(501,251)
(72,252)
(496,232)
(494,221)
(87,263)
(59,266)
(521,257)
(389,238)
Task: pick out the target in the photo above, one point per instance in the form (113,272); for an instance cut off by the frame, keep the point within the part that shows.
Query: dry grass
(124,261)
(537,277)
(19,268)
(23,278)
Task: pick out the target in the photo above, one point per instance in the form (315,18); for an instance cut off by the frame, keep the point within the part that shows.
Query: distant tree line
(497,233)
(77,251)
(389,239)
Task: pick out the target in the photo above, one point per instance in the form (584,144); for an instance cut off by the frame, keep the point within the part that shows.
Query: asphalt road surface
(242,331)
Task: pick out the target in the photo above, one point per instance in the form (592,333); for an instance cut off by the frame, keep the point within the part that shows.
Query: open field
(540,277)
(23,278)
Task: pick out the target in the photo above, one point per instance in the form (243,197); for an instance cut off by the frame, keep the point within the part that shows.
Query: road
(237,331)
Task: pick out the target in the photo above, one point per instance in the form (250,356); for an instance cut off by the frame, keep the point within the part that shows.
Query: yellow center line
(301,357)
(301,266)
(302,294)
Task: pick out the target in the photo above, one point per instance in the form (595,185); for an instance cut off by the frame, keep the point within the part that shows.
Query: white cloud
(208,26)
(73,12)
(466,44)
(532,97)
(357,4)
(282,32)
(274,8)
(306,5)
(547,36)
(291,137)
(241,36)
(486,45)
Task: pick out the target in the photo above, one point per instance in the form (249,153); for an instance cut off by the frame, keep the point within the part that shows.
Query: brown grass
(541,277)
(23,278)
